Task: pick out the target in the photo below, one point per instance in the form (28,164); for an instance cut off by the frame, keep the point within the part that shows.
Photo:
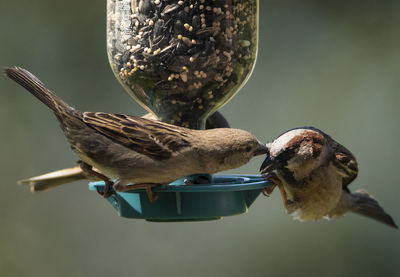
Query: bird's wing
(347,164)
(152,138)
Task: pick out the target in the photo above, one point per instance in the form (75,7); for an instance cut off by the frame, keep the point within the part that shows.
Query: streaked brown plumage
(135,150)
(312,172)
(57,178)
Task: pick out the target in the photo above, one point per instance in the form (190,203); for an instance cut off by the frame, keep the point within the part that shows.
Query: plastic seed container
(226,195)
(182,60)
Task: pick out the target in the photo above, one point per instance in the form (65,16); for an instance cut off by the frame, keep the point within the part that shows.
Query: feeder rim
(235,182)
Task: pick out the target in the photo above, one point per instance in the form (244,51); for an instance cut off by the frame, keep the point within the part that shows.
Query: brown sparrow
(312,172)
(67,175)
(137,152)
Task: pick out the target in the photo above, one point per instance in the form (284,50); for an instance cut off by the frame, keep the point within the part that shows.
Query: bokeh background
(331,64)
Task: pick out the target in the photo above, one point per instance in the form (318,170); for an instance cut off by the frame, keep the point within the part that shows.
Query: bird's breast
(318,195)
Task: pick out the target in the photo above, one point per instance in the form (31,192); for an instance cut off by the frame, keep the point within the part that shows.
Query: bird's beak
(261,149)
(269,164)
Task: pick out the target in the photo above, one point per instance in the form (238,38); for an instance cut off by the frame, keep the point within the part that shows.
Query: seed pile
(182,59)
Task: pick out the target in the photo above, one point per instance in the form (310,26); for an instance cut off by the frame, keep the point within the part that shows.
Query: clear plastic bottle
(182,60)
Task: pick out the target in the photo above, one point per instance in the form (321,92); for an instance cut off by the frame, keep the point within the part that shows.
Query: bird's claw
(267,191)
(153,196)
(274,180)
(107,190)
(88,169)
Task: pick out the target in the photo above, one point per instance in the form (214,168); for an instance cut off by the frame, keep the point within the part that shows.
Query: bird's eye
(248,148)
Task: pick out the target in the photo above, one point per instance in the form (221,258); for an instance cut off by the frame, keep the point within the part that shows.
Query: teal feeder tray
(226,195)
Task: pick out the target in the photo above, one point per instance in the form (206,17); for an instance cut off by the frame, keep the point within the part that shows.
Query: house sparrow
(144,152)
(312,172)
(64,176)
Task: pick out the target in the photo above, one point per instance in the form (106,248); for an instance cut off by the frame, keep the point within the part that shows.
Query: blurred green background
(331,64)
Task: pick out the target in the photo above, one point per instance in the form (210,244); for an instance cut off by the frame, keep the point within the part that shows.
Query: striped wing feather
(346,162)
(152,138)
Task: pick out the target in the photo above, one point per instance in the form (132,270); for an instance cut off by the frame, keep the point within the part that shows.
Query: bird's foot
(88,170)
(267,191)
(274,180)
(107,189)
(153,196)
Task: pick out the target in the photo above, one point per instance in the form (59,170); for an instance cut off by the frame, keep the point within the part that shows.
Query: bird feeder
(183,60)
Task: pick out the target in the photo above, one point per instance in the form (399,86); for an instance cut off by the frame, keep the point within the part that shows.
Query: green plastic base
(226,195)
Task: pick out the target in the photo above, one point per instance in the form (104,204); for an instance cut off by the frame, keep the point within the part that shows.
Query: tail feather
(31,83)
(365,205)
(54,179)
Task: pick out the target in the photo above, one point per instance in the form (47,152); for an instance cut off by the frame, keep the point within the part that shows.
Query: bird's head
(236,147)
(297,152)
